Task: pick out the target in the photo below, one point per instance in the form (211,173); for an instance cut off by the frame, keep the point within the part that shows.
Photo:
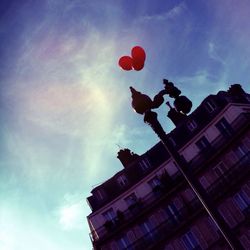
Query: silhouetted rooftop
(157,155)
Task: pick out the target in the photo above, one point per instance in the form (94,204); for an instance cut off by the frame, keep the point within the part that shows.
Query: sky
(65,105)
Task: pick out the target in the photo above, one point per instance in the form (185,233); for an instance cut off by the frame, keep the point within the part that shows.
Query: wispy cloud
(212,51)
(168,15)
(70,91)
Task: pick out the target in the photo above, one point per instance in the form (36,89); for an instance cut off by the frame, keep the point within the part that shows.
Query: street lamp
(143,104)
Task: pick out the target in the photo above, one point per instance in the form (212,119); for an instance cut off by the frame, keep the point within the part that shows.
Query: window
(156,186)
(131,199)
(122,180)
(190,241)
(210,106)
(134,204)
(220,169)
(109,215)
(170,170)
(124,243)
(173,213)
(248,97)
(188,195)
(224,127)
(203,143)
(148,230)
(192,125)
(100,195)
(154,182)
(172,141)
(240,151)
(204,182)
(242,200)
(144,164)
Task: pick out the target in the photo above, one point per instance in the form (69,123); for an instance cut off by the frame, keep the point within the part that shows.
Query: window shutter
(230,158)
(235,211)
(206,231)
(245,241)
(199,237)
(204,182)
(188,195)
(161,215)
(177,244)
(210,106)
(246,189)
(213,228)
(246,141)
(131,236)
(153,220)
(178,203)
(227,216)
(138,232)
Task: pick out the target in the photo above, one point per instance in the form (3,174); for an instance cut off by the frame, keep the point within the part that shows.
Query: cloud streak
(168,15)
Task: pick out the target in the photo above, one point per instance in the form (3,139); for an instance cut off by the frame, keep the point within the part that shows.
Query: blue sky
(65,103)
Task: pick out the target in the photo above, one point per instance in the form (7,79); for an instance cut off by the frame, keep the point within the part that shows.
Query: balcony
(140,207)
(230,179)
(166,229)
(170,184)
(221,142)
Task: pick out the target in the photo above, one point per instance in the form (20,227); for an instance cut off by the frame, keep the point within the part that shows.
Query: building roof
(157,155)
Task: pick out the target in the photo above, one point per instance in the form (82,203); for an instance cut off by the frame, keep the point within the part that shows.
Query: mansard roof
(157,154)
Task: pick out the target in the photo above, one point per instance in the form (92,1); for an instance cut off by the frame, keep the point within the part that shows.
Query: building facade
(149,205)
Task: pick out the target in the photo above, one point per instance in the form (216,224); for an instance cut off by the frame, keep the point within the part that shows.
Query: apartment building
(149,205)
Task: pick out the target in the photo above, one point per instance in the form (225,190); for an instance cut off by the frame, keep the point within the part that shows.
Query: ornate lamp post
(142,104)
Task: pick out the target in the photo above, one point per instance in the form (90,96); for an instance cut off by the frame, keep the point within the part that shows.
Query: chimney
(236,90)
(126,157)
(175,116)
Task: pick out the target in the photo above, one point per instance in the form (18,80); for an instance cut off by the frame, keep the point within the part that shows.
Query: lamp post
(142,104)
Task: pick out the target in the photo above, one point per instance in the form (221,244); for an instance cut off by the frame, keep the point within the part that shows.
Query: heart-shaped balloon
(137,64)
(126,63)
(138,53)
(136,61)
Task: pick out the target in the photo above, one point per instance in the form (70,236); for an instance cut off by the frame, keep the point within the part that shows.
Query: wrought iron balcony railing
(216,190)
(219,188)
(221,141)
(139,207)
(241,122)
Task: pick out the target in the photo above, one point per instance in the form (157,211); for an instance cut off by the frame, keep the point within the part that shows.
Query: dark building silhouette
(149,205)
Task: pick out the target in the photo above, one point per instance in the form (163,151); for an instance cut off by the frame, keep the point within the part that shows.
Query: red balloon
(126,62)
(138,64)
(138,53)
